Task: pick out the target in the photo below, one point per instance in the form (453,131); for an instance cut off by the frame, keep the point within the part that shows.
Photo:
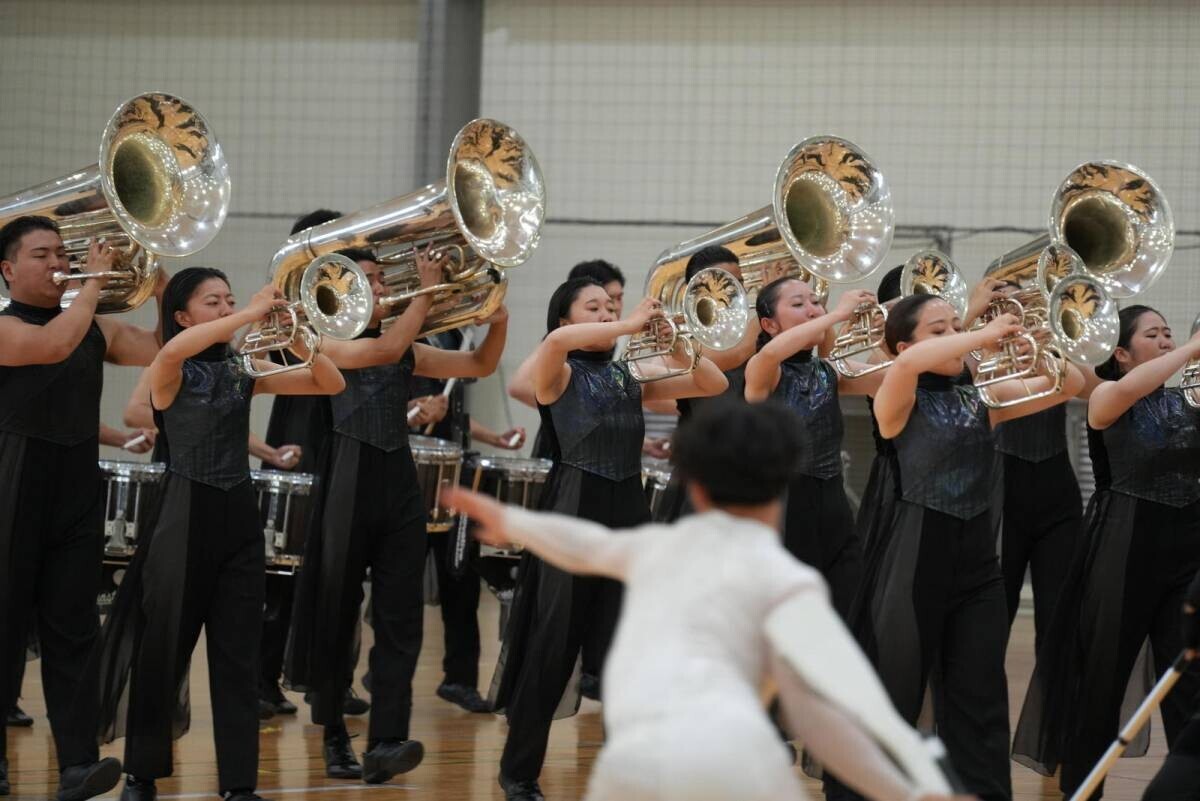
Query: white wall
(313,102)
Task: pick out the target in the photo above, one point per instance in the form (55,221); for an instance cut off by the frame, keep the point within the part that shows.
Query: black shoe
(339,759)
(266,710)
(274,696)
(589,686)
(353,705)
(80,782)
(462,695)
(390,757)
(521,791)
(243,795)
(139,789)
(18,718)
(5,787)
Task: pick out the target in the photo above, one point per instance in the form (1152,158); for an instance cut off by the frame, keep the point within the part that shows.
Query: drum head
(427,450)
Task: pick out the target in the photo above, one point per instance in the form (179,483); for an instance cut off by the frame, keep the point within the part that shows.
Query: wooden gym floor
(462,750)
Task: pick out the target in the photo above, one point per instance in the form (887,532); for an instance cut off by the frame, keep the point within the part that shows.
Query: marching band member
(938,603)
(52,530)
(370,513)
(1142,550)
(818,524)
(592,407)
(683,718)
(202,563)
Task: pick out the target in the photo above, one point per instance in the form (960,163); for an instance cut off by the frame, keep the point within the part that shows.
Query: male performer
(458,586)
(51,504)
(682,711)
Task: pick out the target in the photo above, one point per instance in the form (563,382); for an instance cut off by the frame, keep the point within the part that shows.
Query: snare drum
(656,475)
(509,480)
(438,462)
(283,507)
(131,490)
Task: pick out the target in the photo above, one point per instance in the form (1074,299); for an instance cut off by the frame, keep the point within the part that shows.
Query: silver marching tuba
(160,188)
(487,214)
(331,297)
(830,220)
(1111,236)
(1190,380)
(710,311)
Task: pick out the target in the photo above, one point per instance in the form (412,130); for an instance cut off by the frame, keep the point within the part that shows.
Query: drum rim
(128,469)
(523,464)
(420,442)
(282,477)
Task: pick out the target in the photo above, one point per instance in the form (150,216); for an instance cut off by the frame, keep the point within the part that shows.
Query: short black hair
(742,454)
(358,254)
(179,291)
(599,270)
(889,285)
(12,234)
(708,257)
(560,302)
(314,218)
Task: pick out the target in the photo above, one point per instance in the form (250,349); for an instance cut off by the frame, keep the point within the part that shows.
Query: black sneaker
(17,718)
(80,782)
(5,787)
(266,710)
(466,697)
(340,762)
(274,696)
(139,789)
(390,757)
(353,705)
(520,790)
(589,686)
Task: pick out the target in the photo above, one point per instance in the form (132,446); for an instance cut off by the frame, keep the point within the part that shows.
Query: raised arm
(138,411)
(520,386)
(897,393)
(574,545)
(434,362)
(1072,385)
(1111,399)
(703,382)
(549,371)
(130,345)
(762,371)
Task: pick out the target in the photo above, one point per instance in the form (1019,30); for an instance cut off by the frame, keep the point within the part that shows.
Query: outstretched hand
(484,510)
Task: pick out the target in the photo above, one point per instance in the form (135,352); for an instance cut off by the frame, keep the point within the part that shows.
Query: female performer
(1142,548)
(202,565)
(593,407)
(818,524)
(938,605)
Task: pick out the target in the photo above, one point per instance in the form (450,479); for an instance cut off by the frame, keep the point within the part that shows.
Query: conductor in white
(684,719)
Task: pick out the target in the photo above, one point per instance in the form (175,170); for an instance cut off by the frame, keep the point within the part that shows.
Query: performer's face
(616,293)
(937,319)
(378,290)
(796,304)
(591,305)
(1151,339)
(30,272)
(212,300)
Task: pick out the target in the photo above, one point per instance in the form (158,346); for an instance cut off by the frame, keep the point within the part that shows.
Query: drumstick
(446,390)
(287,455)
(413,412)
(133,443)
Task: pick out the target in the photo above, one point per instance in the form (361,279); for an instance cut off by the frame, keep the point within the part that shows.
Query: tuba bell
(710,311)
(486,214)
(331,298)
(1111,234)
(160,188)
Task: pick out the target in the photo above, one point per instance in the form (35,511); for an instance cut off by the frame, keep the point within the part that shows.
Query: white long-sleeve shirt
(689,655)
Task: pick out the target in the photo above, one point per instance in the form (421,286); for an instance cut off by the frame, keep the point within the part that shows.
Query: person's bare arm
(1111,399)
(434,362)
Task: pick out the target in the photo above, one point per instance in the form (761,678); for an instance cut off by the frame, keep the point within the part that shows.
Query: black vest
(946,449)
(373,408)
(809,387)
(58,403)
(208,424)
(1153,450)
(598,421)
(1034,437)
(736,377)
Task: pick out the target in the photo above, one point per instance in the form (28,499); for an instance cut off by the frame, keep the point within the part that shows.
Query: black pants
(1043,515)
(51,531)
(372,516)
(459,597)
(204,570)
(819,531)
(1158,567)
(1179,777)
(595,605)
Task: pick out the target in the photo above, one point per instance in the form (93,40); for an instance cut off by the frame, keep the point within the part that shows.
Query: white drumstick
(287,455)
(413,412)
(133,443)
(513,440)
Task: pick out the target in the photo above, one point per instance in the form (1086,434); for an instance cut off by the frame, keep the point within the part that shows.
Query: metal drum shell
(438,461)
(284,501)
